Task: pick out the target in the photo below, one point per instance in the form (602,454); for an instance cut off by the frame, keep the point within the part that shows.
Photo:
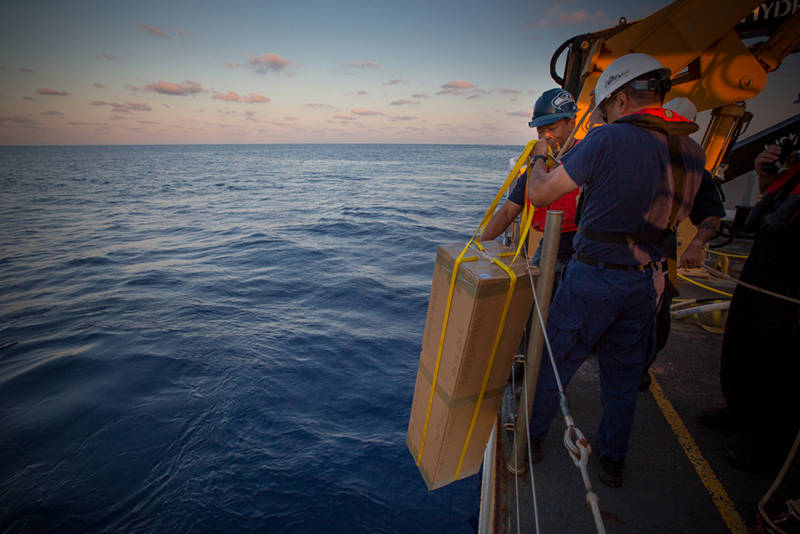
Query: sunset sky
(296,71)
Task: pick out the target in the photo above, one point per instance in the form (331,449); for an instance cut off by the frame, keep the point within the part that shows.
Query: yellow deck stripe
(714,487)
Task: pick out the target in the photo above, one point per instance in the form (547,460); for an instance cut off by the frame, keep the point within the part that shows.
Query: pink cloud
(318,106)
(186,88)
(269,62)
(110,57)
(232,96)
(98,103)
(232,65)
(509,91)
(136,106)
(362,92)
(396,81)
(153,31)
(99,85)
(403,102)
(132,88)
(255,99)
(51,92)
(343,117)
(457,84)
(26,69)
(419,95)
(404,118)
(456,87)
(365,112)
(148,122)
(51,112)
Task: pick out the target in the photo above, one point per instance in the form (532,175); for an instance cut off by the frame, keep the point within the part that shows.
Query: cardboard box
(475,314)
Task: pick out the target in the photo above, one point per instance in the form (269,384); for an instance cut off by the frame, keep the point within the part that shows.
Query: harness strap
(673,129)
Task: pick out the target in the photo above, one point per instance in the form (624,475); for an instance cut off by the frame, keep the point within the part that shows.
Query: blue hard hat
(552,106)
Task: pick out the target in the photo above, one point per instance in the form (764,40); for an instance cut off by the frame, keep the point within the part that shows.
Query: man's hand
(540,149)
(770,154)
(693,256)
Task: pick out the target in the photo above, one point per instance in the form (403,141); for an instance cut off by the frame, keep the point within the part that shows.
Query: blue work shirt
(627,186)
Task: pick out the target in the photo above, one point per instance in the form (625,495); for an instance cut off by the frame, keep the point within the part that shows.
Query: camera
(788,144)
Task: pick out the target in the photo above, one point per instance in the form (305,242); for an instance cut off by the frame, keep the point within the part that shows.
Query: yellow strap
(486,218)
(527,215)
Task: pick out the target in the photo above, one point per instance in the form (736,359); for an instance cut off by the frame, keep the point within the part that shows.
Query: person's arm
(770,154)
(545,187)
(500,220)
(694,255)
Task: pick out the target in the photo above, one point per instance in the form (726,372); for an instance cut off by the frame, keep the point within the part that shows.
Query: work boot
(611,472)
(536,450)
(718,419)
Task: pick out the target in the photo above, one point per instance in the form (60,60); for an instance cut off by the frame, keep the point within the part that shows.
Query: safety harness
(673,126)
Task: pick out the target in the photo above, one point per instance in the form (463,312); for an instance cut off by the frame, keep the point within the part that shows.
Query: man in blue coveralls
(629,172)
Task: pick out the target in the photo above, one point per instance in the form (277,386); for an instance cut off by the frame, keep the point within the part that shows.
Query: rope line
(739,256)
(720,274)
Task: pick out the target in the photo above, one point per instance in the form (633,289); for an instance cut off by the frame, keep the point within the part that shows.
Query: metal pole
(544,292)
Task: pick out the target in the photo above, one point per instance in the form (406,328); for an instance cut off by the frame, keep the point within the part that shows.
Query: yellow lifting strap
(527,216)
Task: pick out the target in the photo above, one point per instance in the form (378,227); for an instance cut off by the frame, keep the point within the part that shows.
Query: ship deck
(677,477)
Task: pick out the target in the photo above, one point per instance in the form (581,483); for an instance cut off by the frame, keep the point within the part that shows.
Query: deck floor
(662,490)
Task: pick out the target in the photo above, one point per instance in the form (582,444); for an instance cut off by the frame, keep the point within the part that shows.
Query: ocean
(224,338)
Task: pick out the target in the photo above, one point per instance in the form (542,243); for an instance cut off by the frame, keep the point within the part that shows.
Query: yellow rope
(704,286)
(486,218)
(740,256)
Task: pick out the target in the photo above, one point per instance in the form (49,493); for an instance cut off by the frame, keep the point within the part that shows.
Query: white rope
(751,287)
(575,442)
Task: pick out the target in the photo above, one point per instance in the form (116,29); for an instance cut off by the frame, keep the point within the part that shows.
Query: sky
(186,72)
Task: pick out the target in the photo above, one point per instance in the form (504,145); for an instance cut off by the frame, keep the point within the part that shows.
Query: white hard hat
(683,107)
(623,70)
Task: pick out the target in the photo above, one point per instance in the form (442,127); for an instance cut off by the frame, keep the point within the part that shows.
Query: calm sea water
(224,338)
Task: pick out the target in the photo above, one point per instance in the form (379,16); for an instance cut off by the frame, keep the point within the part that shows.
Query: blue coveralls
(611,312)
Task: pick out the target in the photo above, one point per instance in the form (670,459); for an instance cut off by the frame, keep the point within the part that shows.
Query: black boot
(611,472)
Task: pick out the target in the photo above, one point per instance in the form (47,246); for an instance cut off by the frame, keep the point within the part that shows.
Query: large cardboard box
(475,315)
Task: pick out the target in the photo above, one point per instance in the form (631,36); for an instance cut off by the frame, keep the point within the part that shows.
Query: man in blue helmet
(639,175)
(554,119)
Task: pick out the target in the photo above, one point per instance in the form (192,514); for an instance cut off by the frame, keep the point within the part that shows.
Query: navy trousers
(610,313)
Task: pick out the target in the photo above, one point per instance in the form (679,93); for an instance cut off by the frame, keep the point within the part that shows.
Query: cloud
(153,31)
(26,69)
(148,122)
(20,121)
(402,102)
(186,88)
(232,64)
(509,91)
(232,96)
(533,92)
(110,57)
(405,118)
(420,95)
(362,92)
(396,81)
(318,106)
(82,123)
(365,112)
(290,118)
(557,15)
(51,112)
(522,113)
(132,88)
(51,92)
(456,87)
(269,62)
(99,85)
(343,117)
(362,65)
(122,108)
